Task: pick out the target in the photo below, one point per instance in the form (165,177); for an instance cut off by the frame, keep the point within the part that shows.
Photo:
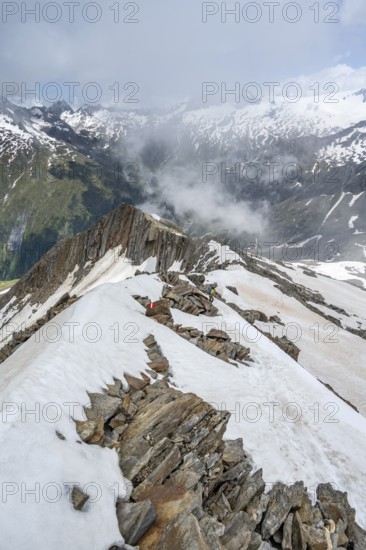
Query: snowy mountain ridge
(282,167)
(78,321)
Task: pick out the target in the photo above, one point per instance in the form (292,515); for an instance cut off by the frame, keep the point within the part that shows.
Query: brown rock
(213,530)
(306,509)
(255,541)
(182,534)
(238,531)
(136,384)
(233,452)
(233,289)
(287,533)
(282,500)
(252,487)
(160,307)
(91,431)
(298,533)
(102,405)
(118,421)
(217,335)
(171,502)
(135,519)
(78,499)
(317,538)
(159,474)
(150,341)
(161,367)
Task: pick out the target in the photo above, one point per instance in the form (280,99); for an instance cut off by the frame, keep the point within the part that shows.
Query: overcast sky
(170,51)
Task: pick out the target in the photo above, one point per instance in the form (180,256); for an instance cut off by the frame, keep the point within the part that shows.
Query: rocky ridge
(189,488)
(128,231)
(133,236)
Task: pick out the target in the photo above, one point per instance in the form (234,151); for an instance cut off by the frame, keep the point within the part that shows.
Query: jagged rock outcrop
(216,342)
(285,344)
(158,362)
(251,316)
(192,489)
(138,235)
(189,299)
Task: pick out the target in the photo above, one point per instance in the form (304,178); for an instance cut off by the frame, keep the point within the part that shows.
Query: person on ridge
(211,291)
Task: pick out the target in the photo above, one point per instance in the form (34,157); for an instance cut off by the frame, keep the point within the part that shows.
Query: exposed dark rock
(212,530)
(233,453)
(238,530)
(338,395)
(298,534)
(193,490)
(183,533)
(285,344)
(283,499)
(19,337)
(253,486)
(287,533)
(189,299)
(160,307)
(91,431)
(134,519)
(219,335)
(78,498)
(233,289)
(136,384)
(102,405)
(276,319)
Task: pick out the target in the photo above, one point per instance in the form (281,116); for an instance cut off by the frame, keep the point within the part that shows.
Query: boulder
(282,500)
(334,505)
(306,509)
(238,530)
(287,533)
(257,507)
(317,538)
(150,341)
(91,431)
(172,503)
(233,452)
(136,384)
(182,534)
(134,519)
(212,530)
(252,487)
(78,498)
(358,537)
(102,405)
(233,289)
(218,335)
(158,472)
(160,307)
(159,366)
(255,541)
(298,533)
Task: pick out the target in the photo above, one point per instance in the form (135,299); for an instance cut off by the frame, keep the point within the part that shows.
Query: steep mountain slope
(53,183)
(59,348)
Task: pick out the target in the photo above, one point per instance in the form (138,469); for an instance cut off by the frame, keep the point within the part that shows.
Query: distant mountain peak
(59,107)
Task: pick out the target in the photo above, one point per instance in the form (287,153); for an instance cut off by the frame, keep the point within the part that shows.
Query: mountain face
(149,415)
(268,172)
(54,183)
